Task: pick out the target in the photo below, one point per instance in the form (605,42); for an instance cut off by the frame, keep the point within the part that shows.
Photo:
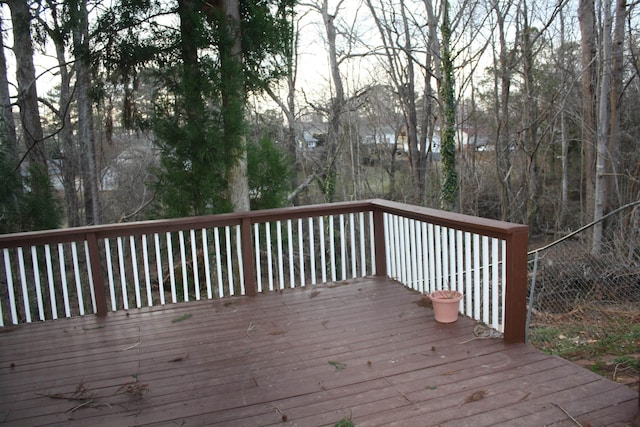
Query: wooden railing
(63,273)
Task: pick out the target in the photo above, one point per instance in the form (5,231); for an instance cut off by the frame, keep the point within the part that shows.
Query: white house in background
(55,174)
(385,136)
(136,157)
(466,138)
(307,130)
(308,141)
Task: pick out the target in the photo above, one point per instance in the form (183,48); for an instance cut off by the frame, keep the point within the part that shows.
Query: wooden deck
(362,349)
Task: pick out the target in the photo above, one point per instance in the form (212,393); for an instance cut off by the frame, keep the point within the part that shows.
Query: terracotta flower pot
(445,305)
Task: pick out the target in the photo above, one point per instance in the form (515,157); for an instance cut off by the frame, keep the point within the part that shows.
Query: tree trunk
(564,197)
(586,16)
(191,104)
(70,161)
(408,92)
(432,62)
(26,78)
(8,126)
(396,40)
(337,105)
(448,131)
(617,88)
(564,193)
(89,169)
(603,127)
(502,83)
(290,112)
(233,101)
(529,120)
(291,135)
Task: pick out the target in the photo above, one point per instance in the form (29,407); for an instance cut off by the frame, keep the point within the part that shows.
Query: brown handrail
(515,236)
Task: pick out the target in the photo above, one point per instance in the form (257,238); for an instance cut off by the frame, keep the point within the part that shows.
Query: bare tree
(615,100)
(327,172)
(8,126)
(603,123)
(58,33)
(586,16)
(26,77)
(502,65)
(401,62)
(564,154)
(89,169)
(338,102)
(288,105)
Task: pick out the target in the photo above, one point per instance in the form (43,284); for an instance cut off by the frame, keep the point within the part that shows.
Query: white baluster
(207,266)
(38,285)
(23,282)
(9,276)
(136,275)
(76,273)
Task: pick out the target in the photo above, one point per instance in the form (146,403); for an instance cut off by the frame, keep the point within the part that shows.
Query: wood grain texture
(362,349)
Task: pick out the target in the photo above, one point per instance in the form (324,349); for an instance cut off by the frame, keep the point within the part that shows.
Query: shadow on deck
(362,349)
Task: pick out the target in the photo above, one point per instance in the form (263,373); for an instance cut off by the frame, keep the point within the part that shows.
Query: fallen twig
(75,408)
(133,388)
(180,358)
(616,370)
(568,414)
(524,397)
(475,396)
(80,393)
(58,396)
(132,346)
(252,326)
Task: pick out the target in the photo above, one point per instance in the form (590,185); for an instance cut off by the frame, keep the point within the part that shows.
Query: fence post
(96,274)
(379,242)
(247,257)
(516,286)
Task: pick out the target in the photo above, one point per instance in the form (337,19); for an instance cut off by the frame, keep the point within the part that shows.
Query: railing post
(96,274)
(247,257)
(516,289)
(379,242)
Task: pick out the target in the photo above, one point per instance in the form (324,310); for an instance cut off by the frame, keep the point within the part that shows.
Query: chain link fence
(585,305)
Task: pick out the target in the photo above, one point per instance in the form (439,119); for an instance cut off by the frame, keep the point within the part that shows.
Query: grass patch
(599,368)
(609,348)
(629,362)
(345,422)
(575,342)
(338,365)
(181,318)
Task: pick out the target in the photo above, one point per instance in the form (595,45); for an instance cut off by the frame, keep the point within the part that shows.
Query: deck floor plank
(361,348)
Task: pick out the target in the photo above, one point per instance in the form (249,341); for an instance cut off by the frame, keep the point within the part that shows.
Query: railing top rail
(172,225)
(469,223)
(473,224)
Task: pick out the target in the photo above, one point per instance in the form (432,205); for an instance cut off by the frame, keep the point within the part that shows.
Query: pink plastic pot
(445,305)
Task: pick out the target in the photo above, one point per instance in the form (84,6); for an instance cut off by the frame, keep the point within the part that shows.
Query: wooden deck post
(247,257)
(96,275)
(378,242)
(516,293)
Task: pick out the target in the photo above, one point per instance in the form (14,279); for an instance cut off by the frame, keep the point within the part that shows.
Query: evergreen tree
(10,193)
(26,203)
(205,70)
(269,173)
